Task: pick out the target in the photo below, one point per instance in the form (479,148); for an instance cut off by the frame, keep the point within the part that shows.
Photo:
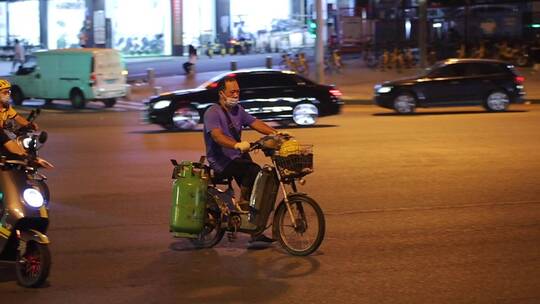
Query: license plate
(109,81)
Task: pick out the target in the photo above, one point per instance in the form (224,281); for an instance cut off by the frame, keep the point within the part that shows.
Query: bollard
(129,92)
(157,91)
(233,66)
(151,77)
(268,62)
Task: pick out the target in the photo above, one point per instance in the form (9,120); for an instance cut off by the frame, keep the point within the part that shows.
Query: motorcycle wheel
(33,267)
(212,232)
(310,226)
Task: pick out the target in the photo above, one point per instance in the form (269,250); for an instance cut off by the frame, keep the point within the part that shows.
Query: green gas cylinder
(188,199)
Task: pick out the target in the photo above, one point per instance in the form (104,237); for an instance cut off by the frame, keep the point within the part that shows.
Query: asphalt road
(438,207)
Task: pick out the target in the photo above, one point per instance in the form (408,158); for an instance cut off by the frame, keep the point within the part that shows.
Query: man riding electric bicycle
(225,151)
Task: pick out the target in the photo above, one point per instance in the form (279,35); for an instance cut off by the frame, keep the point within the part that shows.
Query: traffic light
(312,27)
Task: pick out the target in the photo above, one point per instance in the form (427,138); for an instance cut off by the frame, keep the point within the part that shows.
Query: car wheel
(405,103)
(77,99)
(305,114)
(109,103)
(17,95)
(185,118)
(497,101)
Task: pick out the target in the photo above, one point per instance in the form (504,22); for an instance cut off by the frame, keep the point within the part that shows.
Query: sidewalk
(355,82)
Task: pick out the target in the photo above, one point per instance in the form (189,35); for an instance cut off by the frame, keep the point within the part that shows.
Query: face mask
(231,101)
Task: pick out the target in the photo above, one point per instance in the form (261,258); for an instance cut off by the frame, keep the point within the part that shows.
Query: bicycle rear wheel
(212,232)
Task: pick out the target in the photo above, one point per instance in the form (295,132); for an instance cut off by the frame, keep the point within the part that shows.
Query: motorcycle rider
(8,146)
(6,110)
(225,151)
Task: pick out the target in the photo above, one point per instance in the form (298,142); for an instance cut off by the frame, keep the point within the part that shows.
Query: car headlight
(161,104)
(33,197)
(384,89)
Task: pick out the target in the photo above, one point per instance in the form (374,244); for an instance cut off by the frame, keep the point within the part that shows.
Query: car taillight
(336,92)
(519,79)
(93,79)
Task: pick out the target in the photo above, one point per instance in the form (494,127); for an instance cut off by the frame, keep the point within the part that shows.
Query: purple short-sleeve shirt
(218,156)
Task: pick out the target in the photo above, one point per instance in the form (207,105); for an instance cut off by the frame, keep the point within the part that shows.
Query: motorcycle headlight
(161,104)
(33,197)
(26,142)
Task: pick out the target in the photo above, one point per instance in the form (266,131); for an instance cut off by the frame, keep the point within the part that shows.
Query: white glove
(243,146)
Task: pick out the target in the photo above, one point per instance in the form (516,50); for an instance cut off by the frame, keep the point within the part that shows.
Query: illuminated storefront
(20,21)
(142,29)
(3,24)
(250,17)
(65,20)
(150,27)
(198,22)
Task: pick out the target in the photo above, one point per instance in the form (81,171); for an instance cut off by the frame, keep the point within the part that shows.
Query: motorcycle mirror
(31,115)
(43,137)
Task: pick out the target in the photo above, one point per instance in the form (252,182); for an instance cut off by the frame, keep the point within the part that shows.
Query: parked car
(270,95)
(79,75)
(493,84)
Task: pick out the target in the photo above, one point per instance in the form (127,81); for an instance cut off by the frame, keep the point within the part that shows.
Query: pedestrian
(189,65)
(18,57)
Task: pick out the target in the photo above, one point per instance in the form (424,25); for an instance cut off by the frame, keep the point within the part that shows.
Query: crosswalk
(65,106)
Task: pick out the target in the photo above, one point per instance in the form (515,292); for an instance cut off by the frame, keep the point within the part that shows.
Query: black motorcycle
(24,209)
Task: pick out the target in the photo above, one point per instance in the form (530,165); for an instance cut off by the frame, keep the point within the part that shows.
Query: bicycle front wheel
(303,236)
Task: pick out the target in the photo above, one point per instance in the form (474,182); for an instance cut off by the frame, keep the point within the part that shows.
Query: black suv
(493,84)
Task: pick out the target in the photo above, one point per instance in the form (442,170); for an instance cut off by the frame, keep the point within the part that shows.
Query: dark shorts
(243,170)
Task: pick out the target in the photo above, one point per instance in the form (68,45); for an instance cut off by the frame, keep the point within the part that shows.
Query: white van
(78,75)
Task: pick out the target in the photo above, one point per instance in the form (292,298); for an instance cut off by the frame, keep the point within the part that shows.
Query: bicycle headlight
(33,197)
(161,104)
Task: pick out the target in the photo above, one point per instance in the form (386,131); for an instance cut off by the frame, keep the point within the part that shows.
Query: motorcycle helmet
(289,147)
(4,84)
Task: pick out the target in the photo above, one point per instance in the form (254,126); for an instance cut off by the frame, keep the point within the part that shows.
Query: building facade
(166,27)
(151,27)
